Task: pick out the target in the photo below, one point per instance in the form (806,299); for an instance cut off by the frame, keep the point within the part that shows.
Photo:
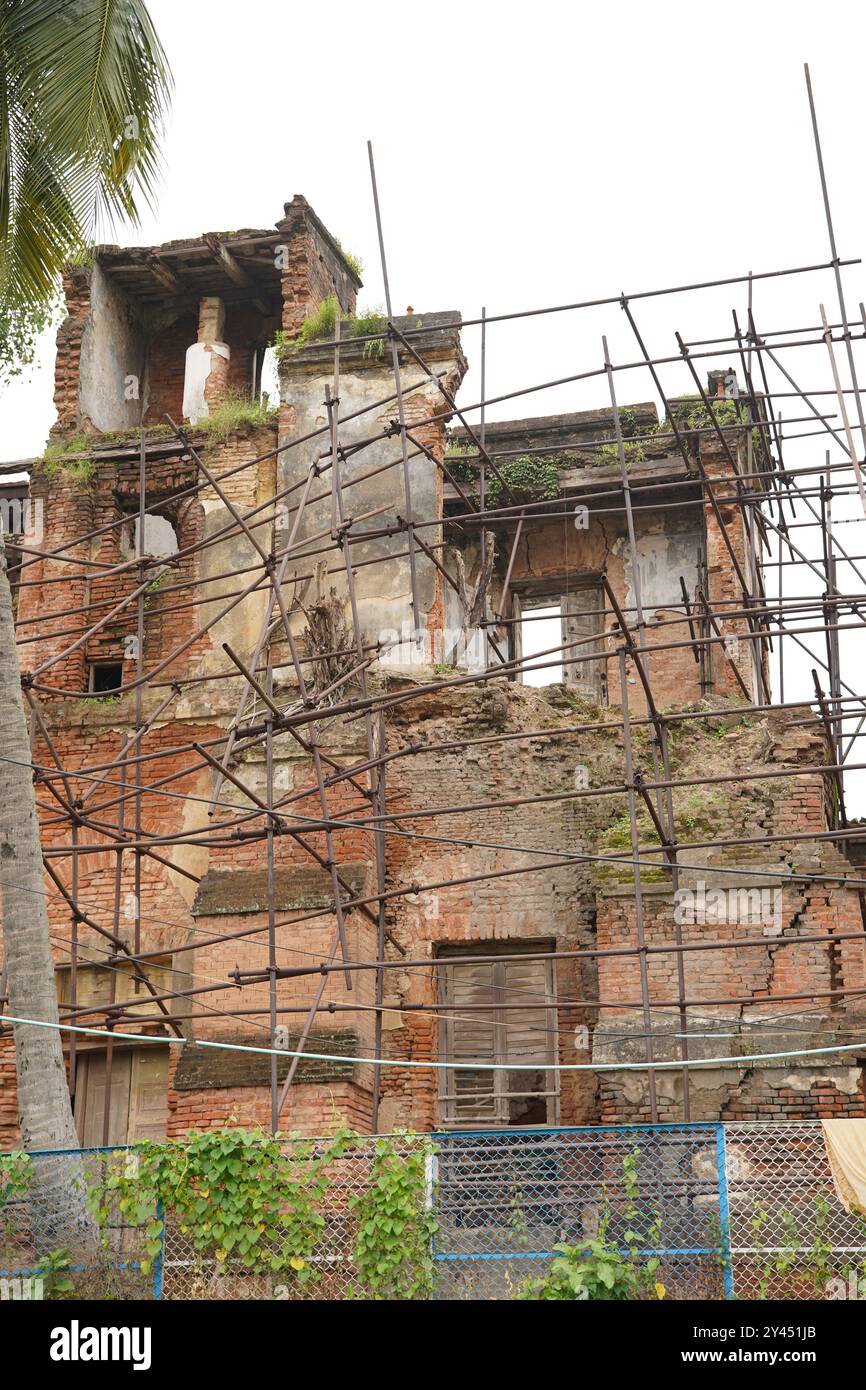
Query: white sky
(528,155)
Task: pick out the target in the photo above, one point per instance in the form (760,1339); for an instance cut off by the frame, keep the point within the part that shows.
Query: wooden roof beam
(165,276)
(235,271)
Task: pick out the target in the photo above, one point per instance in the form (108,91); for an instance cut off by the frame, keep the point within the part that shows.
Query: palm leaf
(85,88)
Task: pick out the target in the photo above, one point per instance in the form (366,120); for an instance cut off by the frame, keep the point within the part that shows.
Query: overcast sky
(527,155)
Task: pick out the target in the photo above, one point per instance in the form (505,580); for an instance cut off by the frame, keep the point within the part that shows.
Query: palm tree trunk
(57,1199)
(43,1096)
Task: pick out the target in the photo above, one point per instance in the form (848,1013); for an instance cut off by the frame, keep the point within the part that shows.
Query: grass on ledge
(233,414)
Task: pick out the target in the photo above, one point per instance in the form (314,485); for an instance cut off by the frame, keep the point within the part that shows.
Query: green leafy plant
(15,1175)
(247,1206)
(592,1269)
(322,324)
(396,1226)
(55,1272)
(370,321)
(690,414)
(600,1268)
(528,478)
(355,262)
(791,1264)
(231,1191)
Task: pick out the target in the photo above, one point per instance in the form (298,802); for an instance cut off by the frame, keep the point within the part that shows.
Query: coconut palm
(84,87)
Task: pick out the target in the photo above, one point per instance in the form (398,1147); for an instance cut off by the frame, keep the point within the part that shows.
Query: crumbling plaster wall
(113,346)
(373,494)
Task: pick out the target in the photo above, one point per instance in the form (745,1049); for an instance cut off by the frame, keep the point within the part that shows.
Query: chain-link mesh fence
(50,1245)
(790,1236)
(505,1199)
(741,1210)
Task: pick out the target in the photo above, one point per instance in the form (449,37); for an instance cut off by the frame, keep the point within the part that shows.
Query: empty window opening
(541,632)
(560,638)
(498,1014)
(160,538)
(106,677)
(267,388)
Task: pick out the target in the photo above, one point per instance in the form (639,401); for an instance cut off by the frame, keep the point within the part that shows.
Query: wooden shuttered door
(138,1105)
(487,1032)
(582,620)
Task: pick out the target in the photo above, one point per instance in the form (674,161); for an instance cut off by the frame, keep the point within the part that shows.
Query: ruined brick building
(205,830)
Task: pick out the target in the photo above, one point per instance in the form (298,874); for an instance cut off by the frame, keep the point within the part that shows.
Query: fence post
(724,1211)
(431,1179)
(159,1261)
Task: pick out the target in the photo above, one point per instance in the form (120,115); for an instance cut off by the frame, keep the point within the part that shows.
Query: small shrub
(593,1269)
(237,412)
(56,458)
(322,324)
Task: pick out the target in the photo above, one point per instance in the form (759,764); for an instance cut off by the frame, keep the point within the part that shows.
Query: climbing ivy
(396,1225)
(231,1191)
(244,1199)
(527,478)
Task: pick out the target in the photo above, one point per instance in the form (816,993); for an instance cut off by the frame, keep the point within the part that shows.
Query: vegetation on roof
(526,478)
(237,412)
(355,262)
(321,324)
(56,457)
(652,441)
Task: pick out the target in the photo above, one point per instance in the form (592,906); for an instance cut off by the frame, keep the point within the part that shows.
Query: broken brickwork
(202,819)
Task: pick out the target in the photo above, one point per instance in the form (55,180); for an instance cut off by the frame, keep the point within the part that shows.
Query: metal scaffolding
(789,605)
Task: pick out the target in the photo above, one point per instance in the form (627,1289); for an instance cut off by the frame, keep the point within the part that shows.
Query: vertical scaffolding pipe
(838,275)
(482,434)
(271,891)
(409,518)
(638,894)
(379,775)
(831,611)
(139,686)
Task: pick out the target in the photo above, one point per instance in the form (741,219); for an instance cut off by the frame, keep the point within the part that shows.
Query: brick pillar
(206,374)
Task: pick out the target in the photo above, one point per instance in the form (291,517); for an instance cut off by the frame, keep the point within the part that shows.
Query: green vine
(247,1205)
(528,478)
(396,1226)
(231,1191)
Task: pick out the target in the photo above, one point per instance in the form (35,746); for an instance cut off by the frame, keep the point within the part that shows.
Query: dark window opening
(106,677)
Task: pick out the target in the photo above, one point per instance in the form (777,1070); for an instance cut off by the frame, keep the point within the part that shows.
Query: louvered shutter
(524,1033)
(90,1099)
(470,1037)
(528,1032)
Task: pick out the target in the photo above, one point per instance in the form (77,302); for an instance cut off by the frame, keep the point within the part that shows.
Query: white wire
(736,1061)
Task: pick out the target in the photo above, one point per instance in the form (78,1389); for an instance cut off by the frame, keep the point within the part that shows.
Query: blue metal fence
(505,1198)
